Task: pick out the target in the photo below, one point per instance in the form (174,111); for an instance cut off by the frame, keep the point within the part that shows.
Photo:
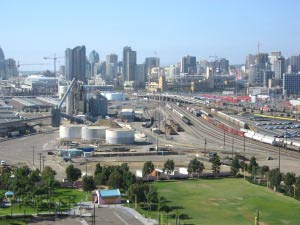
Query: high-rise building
(279,67)
(93,59)
(140,75)
(262,60)
(75,62)
(223,67)
(291,84)
(272,58)
(188,64)
(250,60)
(11,68)
(129,64)
(295,63)
(256,75)
(111,66)
(2,65)
(151,62)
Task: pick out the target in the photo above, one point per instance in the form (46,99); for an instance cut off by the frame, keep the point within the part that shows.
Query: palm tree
(167,209)
(177,217)
(160,205)
(150,195)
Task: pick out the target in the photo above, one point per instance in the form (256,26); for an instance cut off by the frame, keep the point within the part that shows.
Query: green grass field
(228,202)
(13,222)
(67,196)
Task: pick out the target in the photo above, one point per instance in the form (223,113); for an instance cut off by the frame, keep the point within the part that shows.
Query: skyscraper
(188,64)
(279,67)
(11,68)
(129,64)
(111,66)
(272,58)
(2,65)
(295,63)
(151,62)
(93,59)
(75,62)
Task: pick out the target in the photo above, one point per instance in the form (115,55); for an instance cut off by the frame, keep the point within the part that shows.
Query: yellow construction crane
(54,58)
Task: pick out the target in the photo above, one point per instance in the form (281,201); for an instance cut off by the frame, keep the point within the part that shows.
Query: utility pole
(40,162)
(279,149)
(33,155)
(205,143)
(43,157)
(244,158)
(232,145)
(86,167)
(224,140)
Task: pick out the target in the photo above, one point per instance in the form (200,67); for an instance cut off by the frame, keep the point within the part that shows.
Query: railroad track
(202,128)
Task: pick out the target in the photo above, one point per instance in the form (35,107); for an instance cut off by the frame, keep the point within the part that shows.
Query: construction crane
(54,58)
(56,112)
(29,64)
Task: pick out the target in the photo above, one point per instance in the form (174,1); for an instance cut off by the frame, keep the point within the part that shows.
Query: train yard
(188,130)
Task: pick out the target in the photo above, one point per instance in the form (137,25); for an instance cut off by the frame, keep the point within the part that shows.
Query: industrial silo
(91,133)
(119,136)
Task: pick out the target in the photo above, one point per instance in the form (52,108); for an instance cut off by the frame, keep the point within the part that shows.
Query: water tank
(70,131)
(89,133)
(119,136)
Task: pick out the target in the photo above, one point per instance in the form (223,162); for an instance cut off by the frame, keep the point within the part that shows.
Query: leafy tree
(148,168)
(136,192)
(34,176)
(169,167)
(275,178)
(128,179)
(98,169)
(297,187)
(88,183)
(264,170)
(215,164)
(124,167)
(252,164)
(48,173)
(289,180)
(73,173)
(253,167)
(115,179)
(235,166)
(195,166)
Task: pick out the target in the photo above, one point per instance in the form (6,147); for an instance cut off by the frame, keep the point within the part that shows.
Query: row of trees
(194,167)
(287,183)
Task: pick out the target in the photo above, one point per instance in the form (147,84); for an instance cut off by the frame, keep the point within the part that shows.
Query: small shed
(106,197)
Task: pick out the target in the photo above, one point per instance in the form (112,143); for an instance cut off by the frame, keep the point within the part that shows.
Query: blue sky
(33,29)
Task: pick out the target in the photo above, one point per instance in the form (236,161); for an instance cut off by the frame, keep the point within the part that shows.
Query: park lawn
(67,196)
(227,201)
(13,222)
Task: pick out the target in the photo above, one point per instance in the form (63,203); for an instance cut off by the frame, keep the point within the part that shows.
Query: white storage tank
(70,131)
(89,133)
(119,136)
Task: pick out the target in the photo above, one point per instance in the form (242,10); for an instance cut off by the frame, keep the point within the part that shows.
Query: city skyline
(168,29)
